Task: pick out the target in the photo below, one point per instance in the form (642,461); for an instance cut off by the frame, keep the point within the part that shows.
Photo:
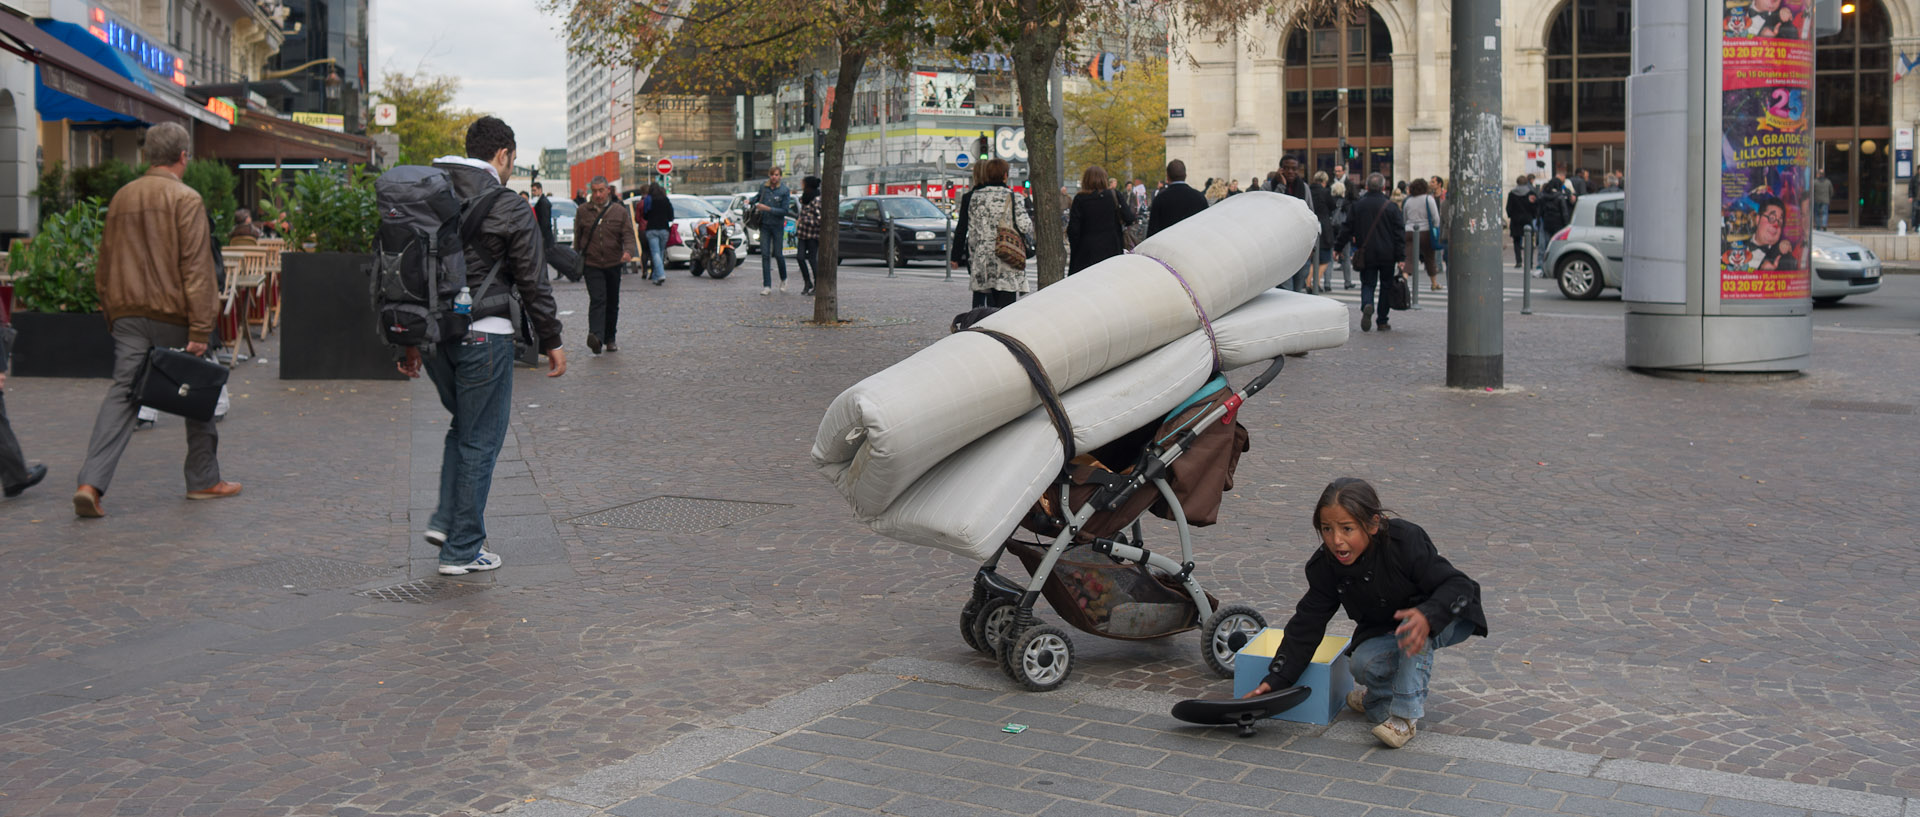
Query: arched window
(1358,49)
(1852,123)
(1589,55)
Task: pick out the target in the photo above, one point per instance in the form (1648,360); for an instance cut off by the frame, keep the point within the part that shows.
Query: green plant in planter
(215,184)
(331,209)
(60,189)
(54,271)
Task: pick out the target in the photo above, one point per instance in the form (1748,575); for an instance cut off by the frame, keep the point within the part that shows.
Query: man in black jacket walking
(1289,183)
(1176,202)
(474,372)
(1377,225)
(1522,208)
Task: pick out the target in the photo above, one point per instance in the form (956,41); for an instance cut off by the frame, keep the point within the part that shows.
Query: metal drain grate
(676,514)
(424,591)
(302,572)
(1861,407)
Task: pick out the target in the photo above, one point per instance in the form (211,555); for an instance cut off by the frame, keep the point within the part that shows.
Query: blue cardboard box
(1327,676)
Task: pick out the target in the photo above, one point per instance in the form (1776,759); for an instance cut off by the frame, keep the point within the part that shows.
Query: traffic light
(1347,153)
(1026,185)
(980,148)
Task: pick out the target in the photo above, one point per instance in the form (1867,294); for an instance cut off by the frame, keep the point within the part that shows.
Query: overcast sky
(507,54)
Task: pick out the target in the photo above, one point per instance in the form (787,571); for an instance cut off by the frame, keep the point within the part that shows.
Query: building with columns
(1380,79)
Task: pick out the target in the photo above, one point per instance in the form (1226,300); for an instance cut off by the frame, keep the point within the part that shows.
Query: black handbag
(179,383)
(1401,295)
(565,261)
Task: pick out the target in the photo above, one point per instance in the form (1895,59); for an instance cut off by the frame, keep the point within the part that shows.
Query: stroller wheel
(1230,628)
(990,626)
(1039,658)
(969,616)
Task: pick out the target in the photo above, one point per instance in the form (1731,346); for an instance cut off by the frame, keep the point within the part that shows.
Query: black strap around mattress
(1042,384)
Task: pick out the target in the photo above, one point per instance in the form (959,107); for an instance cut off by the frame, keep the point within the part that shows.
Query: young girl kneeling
(1405,598)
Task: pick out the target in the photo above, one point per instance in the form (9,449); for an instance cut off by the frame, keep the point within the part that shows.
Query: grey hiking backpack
(420,259)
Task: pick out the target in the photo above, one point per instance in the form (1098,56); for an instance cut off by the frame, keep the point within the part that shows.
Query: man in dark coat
(1175,203)
(1522,207)
(1377,225)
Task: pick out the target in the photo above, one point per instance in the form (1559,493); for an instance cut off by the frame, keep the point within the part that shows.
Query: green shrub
(60,189)
(54,271)
(215,183)
(332,208)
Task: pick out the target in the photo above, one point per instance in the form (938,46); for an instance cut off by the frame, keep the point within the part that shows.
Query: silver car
(1589,254)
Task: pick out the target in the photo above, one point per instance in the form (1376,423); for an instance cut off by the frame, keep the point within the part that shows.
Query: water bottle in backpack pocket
(420,267)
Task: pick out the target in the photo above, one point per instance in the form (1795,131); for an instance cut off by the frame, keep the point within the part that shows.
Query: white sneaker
(766,291)
(435,538)
(783,287)
(1357,700)
(484,561)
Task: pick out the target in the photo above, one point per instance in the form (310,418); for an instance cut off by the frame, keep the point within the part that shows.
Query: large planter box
(62,344)
(328,329)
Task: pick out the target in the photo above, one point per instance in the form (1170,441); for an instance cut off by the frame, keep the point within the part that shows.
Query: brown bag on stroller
(1199,478)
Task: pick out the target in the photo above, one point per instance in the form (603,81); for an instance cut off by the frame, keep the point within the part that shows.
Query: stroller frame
(999,617)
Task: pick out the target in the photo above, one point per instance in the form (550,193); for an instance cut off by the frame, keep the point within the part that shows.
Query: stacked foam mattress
(949,447)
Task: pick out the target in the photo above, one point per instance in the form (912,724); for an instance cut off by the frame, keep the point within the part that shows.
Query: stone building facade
(1277,91)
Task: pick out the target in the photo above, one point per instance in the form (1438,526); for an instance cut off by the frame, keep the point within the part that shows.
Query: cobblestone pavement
(1697,576)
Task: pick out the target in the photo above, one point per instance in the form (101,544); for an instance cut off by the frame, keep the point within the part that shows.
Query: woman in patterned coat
(986,208)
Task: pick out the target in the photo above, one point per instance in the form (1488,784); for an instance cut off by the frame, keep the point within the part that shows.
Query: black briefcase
(179,383)
(565,261)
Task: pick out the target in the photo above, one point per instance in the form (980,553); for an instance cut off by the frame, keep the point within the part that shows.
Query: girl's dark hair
(1356,497)
(656,192)
(809,189)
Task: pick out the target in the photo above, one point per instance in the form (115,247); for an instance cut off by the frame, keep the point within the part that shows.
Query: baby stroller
(1098,573)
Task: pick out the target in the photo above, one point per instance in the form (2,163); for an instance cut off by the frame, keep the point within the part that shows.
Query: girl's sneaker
(1394,733)
(1357,700)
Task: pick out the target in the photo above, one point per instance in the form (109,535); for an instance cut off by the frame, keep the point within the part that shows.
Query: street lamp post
(1475,274)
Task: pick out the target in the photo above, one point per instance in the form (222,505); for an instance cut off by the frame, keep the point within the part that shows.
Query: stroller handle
(1273,371)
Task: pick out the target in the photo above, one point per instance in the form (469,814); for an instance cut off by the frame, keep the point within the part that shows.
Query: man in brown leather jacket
(604,227)
(156,281)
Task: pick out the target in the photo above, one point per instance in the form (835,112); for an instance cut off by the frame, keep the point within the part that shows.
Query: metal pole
(890,239)
(1528,245)
(1475,355)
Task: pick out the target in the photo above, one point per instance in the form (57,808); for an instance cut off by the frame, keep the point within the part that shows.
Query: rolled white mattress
(886,431)
(972,500)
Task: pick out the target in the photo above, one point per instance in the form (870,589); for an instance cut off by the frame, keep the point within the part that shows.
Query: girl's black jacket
(1399,569)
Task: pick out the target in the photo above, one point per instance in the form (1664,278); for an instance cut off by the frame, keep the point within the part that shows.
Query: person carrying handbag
(1096,223)
(1377,249)
(990,238)
(1423,228)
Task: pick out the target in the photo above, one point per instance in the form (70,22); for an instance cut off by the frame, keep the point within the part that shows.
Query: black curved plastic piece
(1241,712)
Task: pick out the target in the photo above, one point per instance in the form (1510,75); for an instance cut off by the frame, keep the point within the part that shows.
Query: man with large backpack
(471,360)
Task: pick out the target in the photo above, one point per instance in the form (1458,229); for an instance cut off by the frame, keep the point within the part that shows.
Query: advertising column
(1766,125)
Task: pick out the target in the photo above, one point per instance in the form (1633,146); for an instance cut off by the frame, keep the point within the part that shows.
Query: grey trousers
(13,464)
(132,337)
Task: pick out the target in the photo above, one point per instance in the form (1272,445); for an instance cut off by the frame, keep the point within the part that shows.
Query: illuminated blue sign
(134,44)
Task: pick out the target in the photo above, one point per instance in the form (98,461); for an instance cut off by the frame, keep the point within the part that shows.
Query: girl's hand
(1258,691)
(1413,631)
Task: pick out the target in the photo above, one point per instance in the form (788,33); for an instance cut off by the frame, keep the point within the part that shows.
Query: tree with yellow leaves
(1118,125)
(428,124)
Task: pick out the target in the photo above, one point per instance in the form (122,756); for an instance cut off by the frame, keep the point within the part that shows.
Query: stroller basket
(1116,600)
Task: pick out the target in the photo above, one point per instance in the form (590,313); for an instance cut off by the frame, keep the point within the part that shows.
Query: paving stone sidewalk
(922,739)
(1711,577)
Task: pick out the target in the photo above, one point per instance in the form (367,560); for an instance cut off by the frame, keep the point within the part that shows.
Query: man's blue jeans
(1396,683)
(474,375)
(1821,211)
(772,250)
(1375,278)
(657,250)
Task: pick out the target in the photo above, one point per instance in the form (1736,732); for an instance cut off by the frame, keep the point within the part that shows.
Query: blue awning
(54,105)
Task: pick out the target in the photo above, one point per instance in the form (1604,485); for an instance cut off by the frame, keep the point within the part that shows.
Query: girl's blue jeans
(1397,683)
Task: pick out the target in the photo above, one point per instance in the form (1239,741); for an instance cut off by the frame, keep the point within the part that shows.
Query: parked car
(563,213)
(1588,255)
(736,206)
(920,230)
(688,212)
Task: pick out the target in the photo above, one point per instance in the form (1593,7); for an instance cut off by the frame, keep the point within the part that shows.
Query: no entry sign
(664,166)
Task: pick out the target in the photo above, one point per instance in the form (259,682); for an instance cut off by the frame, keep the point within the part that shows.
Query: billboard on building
(940,92)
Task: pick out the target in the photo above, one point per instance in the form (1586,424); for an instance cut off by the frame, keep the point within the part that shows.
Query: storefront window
(1853,123)
(1315,61)
(1588,59)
